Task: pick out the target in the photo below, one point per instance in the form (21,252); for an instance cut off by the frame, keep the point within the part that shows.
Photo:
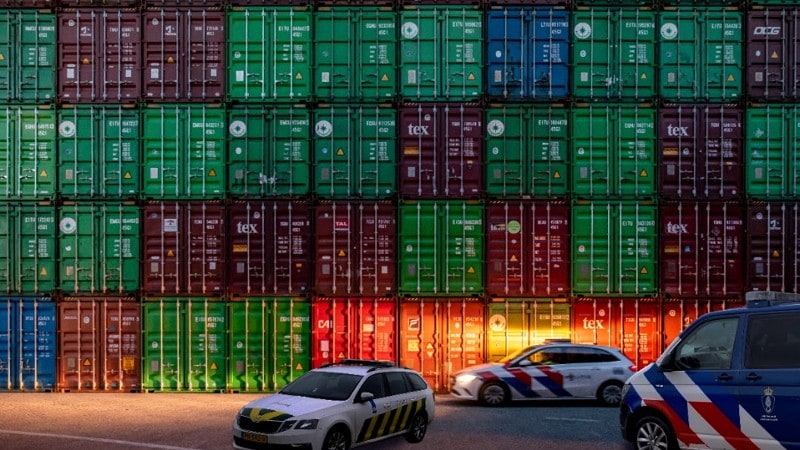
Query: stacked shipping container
(215,195)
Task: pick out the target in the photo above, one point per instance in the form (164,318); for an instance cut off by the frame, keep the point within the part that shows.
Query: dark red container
(90,3)
(100,56)
(99,344)
(158,3)
(701,152)
(527,249)
(184,248)
(678,313)
(441,154)
(275,2)
(270,248)
(773,242)
(773,54)
(630,324)
(184,54)
(353,328)
(356,248)
(702,249)
(438,337)
(27,3)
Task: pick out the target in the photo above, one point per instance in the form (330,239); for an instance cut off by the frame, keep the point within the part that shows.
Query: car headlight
(466,378)
(307,424)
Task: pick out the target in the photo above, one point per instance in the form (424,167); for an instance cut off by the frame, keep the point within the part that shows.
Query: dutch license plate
(260,438)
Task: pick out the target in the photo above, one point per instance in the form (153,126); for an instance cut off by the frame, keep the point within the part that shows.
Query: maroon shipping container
(100,57)
(700,148)
(270,248)
(282,2)
(157,3)
(441,151)
(99,344)
(527,249)
(439,337)
(93,3)
(678,313)
(184,54)
(773,242)
(183,245)
(356,245)
(28,3)
(630,324)
(701,249)
(353,328)
(773,54)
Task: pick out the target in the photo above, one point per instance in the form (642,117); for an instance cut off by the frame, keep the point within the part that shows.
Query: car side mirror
(524,363)
(365,397)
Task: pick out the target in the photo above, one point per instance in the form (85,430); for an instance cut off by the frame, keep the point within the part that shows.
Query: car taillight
(633,368)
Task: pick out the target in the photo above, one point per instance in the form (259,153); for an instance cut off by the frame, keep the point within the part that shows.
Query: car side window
(773,341)
(709,346)
(547,356)
(416,382)
(397,383)
(376,385)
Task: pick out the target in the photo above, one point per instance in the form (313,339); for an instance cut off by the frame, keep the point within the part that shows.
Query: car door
(370,411)
(768,382)
(580,371)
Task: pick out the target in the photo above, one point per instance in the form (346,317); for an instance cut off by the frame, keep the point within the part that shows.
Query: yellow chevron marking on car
(262,415)
(389,422)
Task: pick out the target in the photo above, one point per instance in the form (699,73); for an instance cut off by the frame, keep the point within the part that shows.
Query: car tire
(610,393)
(337,439)
(419,427)
(653,433)
(494,394)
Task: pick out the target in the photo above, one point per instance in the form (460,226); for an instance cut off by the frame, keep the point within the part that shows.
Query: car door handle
(752,377)
(724,377)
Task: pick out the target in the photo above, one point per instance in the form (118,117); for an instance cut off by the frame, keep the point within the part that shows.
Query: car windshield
(516,354)
(323,385)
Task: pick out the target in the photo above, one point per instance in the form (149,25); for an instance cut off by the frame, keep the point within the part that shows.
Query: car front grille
(266,427)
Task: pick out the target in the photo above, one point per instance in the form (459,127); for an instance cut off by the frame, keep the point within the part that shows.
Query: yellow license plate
(260,438)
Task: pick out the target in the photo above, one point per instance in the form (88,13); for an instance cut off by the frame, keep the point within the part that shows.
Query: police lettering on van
(731,380)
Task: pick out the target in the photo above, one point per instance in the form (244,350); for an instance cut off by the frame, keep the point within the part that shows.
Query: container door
(28,42)
(164,346)
(79,345)
(27,253)
(38,345)
(27,153)
(121,344)
(514,324)
(205,337)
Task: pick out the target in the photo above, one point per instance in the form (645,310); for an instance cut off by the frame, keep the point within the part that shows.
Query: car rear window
(416,382)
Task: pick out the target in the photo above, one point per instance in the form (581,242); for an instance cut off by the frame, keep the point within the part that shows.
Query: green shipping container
(701,57)
(514,324)
(441,53)
(355,151)
(269,53)
(269,150)
(184,344)
(614,54)
(355,54)
(98,152)
(27,56)
(99,248)
(27,153)
(441,248)
(269,342)
(613,151)
(614,248)
(772,157)
(526,151)
(27,248)
(183,151)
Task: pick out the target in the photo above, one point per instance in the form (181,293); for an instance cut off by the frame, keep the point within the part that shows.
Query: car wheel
(610,393)
(652,433)
(419,426)
(494,394)
(337,439)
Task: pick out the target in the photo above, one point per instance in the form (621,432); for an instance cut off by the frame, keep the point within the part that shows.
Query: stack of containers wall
(614,54)
(27,343)
(527,51)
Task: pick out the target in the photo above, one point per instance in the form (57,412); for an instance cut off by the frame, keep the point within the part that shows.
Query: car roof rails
(760,299)
(361,362)
(558,341)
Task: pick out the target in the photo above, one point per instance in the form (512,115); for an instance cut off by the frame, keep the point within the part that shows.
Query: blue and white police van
(731,380)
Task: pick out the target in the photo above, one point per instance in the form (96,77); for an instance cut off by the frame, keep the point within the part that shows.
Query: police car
(337,406)
(731,380)
(559,370)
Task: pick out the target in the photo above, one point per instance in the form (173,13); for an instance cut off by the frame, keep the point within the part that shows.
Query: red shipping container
(527,249)
(356,248)
(439,337)
(773,242)
(270,248)
(99,53)
(773,54)
(441,152)
(679,313)
(184,54)
(630,324)
(353,328)
(700,150)
(99,344)
(701,249)
(183,245)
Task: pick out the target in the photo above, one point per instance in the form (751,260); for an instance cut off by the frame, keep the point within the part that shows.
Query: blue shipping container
(27,344)
(528,53)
